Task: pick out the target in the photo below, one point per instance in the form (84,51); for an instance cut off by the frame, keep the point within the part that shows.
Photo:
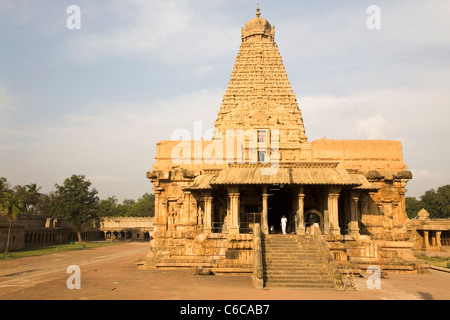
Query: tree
(29,196)
(437,202)
(108,207)
(77,203)
(22,194)
(10,205)
(33,197)
(413,206)
(4,186)
(144,207)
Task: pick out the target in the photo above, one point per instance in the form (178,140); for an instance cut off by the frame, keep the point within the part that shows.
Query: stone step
(312,260)
(279,279)
(300,256)
(289,246)
(305,253)
(304,286)
(292,253)
(293,261)
(305,272)
(293,265)
(305,267)
(298,247)
(296,278)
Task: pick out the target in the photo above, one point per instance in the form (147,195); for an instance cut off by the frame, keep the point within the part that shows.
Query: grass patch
(437,261)
(41,250)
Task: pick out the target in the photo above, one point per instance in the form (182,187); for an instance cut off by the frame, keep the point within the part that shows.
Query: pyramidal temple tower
(213,197)
(259,95)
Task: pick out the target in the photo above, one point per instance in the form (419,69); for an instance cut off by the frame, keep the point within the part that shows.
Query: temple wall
(362,155)
(383,212)
(127,222)
(222,253)
(214,154)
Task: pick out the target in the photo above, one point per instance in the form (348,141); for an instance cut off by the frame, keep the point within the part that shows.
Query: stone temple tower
(211,194)
(259,95)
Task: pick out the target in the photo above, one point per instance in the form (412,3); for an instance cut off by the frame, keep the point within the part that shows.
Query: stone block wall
(220,252)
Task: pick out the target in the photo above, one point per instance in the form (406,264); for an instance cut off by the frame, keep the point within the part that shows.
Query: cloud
(417,117)
(171,31)
(427,179)
(112,144)
(430,175)
(352,83)
(7,102)
(104,178)
(372,128)
(394,113)
(7,109)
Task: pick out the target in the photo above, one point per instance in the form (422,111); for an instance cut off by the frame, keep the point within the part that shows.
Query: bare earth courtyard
(110,273)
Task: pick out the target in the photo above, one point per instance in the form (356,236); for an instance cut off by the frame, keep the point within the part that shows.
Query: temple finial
(257,11)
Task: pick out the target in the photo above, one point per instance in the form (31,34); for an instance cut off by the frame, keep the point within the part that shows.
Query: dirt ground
(110,273)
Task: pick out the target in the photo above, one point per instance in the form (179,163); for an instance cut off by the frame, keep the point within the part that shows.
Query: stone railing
(327,257)
(257,257)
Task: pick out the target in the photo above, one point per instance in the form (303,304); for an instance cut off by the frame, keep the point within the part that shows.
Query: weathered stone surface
(208,194)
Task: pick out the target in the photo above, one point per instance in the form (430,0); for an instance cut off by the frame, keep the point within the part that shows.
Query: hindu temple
(219,202)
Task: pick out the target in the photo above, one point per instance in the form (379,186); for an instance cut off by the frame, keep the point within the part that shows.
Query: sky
(93,93)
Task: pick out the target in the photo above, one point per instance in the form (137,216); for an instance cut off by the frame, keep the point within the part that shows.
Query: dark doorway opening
(279,204)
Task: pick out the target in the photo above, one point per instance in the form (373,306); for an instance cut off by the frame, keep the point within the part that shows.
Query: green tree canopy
(144,207)
(71,199)
(108,207)
(77,203)
(436,202)
(413,206)
(10,205)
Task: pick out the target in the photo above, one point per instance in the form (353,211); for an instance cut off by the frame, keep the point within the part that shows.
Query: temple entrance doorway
(313,216)
(279,204)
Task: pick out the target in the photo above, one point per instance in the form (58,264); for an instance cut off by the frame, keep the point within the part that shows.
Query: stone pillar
(163,216)
(208,211)
(426,239)
(180,210)
(433,238)
(300,227)
(265,207)
(401,213)
(438,238)
(354,214)
(193,209)
(333,196)
(187,206)
(157,193)
(234,212)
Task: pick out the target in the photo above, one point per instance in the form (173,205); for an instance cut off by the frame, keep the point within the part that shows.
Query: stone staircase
(293,261)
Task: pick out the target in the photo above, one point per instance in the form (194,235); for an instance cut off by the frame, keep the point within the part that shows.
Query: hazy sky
(96,100)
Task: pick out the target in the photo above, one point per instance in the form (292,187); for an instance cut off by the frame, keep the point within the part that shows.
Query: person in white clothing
(283,224)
